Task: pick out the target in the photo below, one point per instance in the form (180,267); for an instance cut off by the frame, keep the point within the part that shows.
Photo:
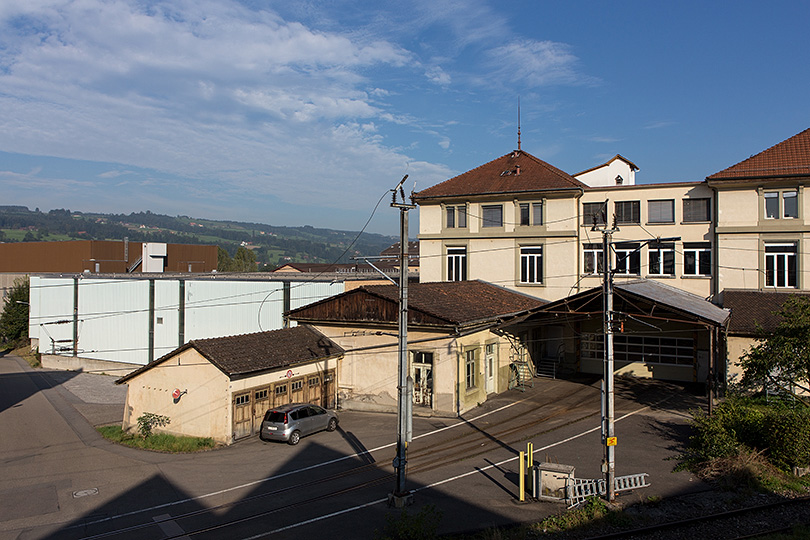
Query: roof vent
(619,180)
(517,170)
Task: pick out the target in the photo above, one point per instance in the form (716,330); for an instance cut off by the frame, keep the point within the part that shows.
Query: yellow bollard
(522,473)
(529,456)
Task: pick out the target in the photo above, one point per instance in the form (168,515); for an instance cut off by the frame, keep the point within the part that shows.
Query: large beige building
(526,225)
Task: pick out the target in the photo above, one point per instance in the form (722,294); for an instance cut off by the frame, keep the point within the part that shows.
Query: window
(423,358)
(661,211)
(790,206)
(594,213)
(772,204)
(696,210)
(260,395)
(628,259)
(780,265)
(469,368)
(457,264)
(531,213)
(492,215)
(241,400)
(531,264)
(788,201)
(646,349)
(297,385)
(628,212)
(280,389)
(457,217)
(313,381)
(697,259)
(662,259)
(592,258)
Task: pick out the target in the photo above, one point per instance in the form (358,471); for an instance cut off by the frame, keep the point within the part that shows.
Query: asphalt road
(62,480)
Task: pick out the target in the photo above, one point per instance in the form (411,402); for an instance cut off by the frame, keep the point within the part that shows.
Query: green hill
(273,245)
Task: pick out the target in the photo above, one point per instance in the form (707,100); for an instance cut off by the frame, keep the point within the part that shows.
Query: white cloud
(437,75)
(535,63)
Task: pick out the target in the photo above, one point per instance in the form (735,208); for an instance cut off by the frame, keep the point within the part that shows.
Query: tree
(14,320)
(244,260)
(782,357)
(224,261)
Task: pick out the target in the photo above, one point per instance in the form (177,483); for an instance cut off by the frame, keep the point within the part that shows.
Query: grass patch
(32,357)
(159,442)
(749,472)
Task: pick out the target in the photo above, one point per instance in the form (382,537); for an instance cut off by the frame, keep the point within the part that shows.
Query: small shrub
(148,421)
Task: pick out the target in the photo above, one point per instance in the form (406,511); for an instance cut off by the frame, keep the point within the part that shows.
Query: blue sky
(305,113)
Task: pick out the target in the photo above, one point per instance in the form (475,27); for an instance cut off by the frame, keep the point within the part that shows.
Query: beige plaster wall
(367,374)
(204,411)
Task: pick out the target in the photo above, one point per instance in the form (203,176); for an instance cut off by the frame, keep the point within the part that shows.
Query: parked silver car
(291,422)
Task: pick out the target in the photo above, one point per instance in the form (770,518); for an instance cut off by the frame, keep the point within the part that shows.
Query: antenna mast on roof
(518,124)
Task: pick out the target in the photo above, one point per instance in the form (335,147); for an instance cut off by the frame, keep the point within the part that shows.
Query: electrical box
(549,481)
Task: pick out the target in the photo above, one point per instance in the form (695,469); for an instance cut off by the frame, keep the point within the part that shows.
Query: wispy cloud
(659,125)
(536,63)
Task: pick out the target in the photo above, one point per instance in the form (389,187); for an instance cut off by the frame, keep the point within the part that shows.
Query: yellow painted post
(522,472)
(529,456)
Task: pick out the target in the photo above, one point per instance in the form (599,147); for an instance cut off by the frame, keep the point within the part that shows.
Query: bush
(741,424)
(149,421)
(14,319)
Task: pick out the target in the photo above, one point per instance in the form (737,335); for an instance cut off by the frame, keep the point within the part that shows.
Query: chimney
(517,170)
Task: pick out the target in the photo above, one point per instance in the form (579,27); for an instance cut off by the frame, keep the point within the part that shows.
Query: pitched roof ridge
(561,173)
(463,173)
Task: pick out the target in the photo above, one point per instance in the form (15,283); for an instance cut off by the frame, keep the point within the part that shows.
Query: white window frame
(456,264)
(775,204)
(592,256)
(531,265)
(785,255)
(657,257)
(632,257)
(698,252)
(587,214)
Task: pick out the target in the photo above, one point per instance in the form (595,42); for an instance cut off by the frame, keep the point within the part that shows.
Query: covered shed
(221,387)
(456,359)
(660,332)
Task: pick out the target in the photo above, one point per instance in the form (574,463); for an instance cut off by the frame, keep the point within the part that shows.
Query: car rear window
(275,416)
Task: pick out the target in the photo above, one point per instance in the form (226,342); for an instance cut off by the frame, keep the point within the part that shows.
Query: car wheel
(295,437)
(332,425)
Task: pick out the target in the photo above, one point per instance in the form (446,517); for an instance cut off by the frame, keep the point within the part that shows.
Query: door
(297,391)
(261,402)
(490,365)
(314,390)
(280,394)
(242,417)
(422,373)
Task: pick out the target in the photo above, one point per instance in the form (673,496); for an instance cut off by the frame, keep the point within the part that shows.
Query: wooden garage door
(242,416)
(261,402)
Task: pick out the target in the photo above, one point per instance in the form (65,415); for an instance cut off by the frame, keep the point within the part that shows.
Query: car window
(274,416)
(295,415)
(315,410)
(302,412)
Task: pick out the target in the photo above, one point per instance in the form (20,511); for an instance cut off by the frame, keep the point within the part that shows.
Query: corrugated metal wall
(114,314)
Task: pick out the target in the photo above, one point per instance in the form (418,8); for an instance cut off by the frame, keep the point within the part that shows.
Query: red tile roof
(516,172)
(253,353)
(788,158)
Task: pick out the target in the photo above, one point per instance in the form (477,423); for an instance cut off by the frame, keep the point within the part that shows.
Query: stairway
(521,375)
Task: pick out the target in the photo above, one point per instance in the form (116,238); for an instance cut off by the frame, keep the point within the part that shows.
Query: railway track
(750,522)
(276,498)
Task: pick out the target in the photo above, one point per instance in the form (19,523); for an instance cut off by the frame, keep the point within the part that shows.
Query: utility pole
(608,433)
(401,497)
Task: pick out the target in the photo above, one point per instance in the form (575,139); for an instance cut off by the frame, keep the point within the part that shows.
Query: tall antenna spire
(518,124)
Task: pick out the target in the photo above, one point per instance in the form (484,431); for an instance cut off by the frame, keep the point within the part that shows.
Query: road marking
(289,473)
(478,470)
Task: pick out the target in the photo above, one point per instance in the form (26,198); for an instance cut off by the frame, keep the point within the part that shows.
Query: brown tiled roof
(501,176)
(754,309)
(439,303)
(252,353)
(788,158)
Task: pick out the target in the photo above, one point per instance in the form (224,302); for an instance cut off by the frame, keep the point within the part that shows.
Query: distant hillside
(273,245)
